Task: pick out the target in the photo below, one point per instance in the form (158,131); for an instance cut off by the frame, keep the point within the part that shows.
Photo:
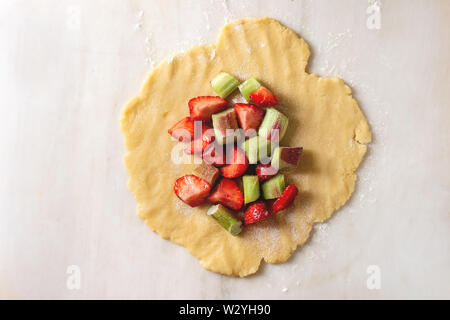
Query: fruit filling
(202,108)
(241,162)
(249,116)
(192,189)
(237,164)
(183,130)
(207,172)
(225,219)
(256,212)
(224,84)
(248,87)
(273,187)
(286,158)
(257,149)
(228,193)
(204,139)
(225,126)
(274,125)
(263,97)
(251,188)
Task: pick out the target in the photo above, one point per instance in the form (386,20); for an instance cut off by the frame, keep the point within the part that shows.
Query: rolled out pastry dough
(323,118)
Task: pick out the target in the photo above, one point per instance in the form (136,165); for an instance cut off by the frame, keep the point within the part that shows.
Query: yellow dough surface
(323,118)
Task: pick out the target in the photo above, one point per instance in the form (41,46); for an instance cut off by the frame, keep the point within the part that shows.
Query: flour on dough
(323,118)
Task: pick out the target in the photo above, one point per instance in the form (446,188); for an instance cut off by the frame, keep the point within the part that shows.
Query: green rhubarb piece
(249,86)
(256,149)
(225,126)
(286,158)
(273,188)
(273,120)
(225,219)
(224,84)
(207,172)
(251,188)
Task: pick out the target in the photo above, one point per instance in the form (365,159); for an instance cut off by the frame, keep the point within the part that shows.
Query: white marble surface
(67,67)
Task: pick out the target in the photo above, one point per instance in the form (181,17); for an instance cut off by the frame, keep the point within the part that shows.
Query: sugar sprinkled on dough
(183,207)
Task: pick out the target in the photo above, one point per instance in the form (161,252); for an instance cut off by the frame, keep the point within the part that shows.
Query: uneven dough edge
(362,136)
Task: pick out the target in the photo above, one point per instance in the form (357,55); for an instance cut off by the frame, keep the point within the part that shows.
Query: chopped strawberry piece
(263,97)
(183,130)
(286,198)
(249,116)
(265,171)
(192,190)
(214,154)
(256,212)
(201,142)
(227,193)
(202,108)
(237,164)
(269,204)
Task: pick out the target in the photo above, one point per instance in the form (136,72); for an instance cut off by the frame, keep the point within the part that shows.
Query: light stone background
(67,68)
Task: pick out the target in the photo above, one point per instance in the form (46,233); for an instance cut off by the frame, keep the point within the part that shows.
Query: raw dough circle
(323,118)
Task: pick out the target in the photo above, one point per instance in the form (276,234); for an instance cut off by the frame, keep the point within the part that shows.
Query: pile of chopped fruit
(251,158)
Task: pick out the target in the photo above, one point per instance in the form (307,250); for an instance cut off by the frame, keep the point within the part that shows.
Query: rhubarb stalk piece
(274,125)
(207,172)
(256,149)
(225,219)
(248,87)
(225,126)
(224,84)
(286,158)
(273,188)
(251,188)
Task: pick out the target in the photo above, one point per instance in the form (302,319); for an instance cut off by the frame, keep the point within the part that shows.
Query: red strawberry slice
(237,164)
(286,198)
(214,154)
(265,171)
(200,143)
(183,130)
(256,212)
(227,193)
(263,97)
(249,116)
(202,108)
(192,190)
